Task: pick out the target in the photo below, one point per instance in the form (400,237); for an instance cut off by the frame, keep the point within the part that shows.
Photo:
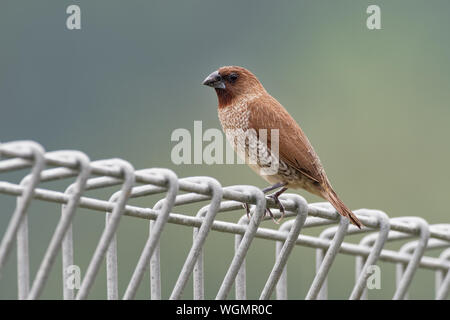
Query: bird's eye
(232,77)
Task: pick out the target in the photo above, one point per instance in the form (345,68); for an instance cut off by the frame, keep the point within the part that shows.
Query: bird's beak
(214,80)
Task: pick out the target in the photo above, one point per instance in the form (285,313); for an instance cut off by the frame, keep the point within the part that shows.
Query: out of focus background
(374,103)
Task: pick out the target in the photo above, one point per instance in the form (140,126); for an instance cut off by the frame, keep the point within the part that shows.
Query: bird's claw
(247,210)
(268,212)
(274,197)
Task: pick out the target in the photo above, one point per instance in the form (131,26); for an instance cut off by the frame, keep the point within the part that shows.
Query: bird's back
(294,147)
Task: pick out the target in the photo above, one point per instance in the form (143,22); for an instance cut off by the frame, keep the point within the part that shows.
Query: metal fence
(48,166)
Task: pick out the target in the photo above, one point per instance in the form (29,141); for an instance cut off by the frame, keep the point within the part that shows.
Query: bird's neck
(227,98)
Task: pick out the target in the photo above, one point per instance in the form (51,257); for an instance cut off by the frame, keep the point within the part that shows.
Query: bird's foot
(270,214)
(275,197)
(267,213)
(247,209)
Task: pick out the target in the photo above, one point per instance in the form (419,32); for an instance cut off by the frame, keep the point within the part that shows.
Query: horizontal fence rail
(378,229)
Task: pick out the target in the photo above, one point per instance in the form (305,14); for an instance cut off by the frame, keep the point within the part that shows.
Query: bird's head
(233,82)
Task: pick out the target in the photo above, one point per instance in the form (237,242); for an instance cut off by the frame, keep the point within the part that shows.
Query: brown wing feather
(294,147)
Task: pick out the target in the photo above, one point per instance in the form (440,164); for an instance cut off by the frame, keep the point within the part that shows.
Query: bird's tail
(337,203)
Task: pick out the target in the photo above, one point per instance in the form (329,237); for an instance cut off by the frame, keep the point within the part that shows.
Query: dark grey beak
(214,80)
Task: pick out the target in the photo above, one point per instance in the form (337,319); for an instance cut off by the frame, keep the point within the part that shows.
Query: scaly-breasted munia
(244,104)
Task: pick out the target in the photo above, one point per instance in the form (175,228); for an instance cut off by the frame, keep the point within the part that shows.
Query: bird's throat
(225,97)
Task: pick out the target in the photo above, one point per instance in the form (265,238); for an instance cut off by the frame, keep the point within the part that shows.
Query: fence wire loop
(127,171)
(164,207)
(362,271)
(64,222)
(283,255)
(404,280)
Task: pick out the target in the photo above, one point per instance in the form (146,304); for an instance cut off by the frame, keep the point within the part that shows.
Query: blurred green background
(375,105)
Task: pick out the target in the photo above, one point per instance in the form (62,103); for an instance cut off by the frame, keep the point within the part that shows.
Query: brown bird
(243,105)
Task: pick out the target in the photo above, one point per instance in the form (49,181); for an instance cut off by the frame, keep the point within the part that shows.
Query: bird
(245,106)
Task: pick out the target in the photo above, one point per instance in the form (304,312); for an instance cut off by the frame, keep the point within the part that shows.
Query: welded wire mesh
(96,175)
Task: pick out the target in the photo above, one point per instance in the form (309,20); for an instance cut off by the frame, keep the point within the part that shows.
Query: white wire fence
(50,166)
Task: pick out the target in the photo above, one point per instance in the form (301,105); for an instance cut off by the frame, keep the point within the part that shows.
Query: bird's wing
(294,147)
